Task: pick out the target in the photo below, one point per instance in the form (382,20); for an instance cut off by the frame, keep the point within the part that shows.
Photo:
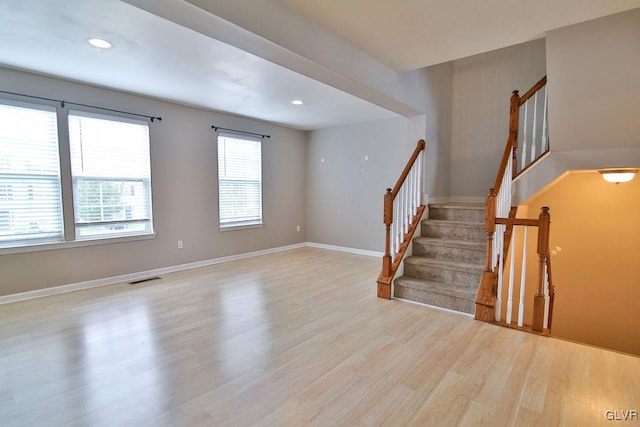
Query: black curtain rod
(62,103)
(214,127)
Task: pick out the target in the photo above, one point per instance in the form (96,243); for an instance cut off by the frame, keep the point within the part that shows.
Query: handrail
(512,140)
(407,212)
(536,87)
(499,225)
(407,168)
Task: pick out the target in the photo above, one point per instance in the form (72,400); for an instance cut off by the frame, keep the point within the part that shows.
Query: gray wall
(594,83)
(482,86)
(431,89)
(345,192)
(184,181)
(594,99)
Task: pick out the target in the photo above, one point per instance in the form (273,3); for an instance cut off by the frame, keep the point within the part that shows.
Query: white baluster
(494,251)
(535,127)
(392,244)
(523,279)
(512,248)
(405,189)
(401,214)
(408,187)
(500,237)
(417,177)
(396,221)
(524,137)
(413,191)
(546,297)
(545,141)
(419,195)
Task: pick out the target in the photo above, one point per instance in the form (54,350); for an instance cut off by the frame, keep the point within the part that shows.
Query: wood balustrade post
(543,254)
(384,283)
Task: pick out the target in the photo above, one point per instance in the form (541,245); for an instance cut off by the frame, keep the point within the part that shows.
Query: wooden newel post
(384,283)
(543,254)
(388,220)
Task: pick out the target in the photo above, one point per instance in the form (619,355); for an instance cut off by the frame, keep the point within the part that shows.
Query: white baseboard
(5,299)
(55,290)
(345,249)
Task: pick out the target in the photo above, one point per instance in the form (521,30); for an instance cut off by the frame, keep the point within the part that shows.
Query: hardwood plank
(295,338)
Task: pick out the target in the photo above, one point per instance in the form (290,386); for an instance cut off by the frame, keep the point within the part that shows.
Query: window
(30,197)
(239,180)
(111,175)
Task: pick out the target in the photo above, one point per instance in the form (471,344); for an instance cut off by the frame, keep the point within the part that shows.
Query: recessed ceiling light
(297,102)
(100,43)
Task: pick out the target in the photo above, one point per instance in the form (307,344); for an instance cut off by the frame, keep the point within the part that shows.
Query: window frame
(68,238)
(239,224)
(45,238)
(146,181)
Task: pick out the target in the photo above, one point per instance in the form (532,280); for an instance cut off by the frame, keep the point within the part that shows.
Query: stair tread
(454,205)
(417,259)
(452,222)
(450,242)
(437,287)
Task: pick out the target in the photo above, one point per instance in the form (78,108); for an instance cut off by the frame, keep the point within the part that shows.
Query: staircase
(447,262)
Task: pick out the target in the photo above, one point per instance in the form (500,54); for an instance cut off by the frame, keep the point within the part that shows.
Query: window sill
(50,246)
(241,227)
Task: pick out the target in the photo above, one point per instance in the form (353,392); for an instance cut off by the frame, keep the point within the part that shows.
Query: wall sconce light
(618,175)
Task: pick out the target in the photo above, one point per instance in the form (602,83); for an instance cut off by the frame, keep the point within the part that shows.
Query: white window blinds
(30,198)
(111,175)
(239,180)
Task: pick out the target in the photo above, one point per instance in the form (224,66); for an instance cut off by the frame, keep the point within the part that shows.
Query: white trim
(50,246)
(6,299)
(468,199)
(448,310)
(345,249)
(531,166)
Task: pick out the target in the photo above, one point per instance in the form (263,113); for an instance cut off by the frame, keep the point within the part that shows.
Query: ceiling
(155,57)
(436,31)
(161,58)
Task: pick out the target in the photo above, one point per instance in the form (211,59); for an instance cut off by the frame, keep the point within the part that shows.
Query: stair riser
(431,298)
(471,256)
(451,214)
(455,232)
(442,274)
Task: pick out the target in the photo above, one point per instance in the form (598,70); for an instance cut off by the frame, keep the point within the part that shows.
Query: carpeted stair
(447,261)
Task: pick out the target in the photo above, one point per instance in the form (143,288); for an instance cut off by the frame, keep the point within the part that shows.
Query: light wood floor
(295,338)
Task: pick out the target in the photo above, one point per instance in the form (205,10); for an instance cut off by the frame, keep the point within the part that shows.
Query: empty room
(290,213)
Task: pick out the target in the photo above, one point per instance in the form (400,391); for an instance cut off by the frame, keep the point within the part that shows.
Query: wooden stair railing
(500,223)
(403,210)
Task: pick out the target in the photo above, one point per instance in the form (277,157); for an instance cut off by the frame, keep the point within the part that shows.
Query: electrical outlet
(298,228)
(180,246)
